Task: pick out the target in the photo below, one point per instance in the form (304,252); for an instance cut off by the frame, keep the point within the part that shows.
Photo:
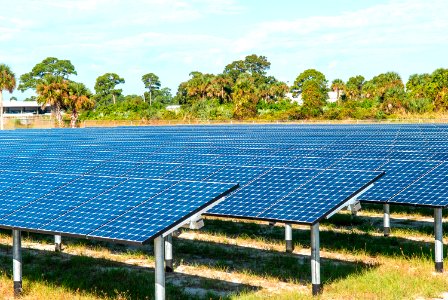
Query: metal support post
(169,253)
(57,243)
(315,260)
(386,220)
(159,247)
(288,238)
(438,239)
(17,261)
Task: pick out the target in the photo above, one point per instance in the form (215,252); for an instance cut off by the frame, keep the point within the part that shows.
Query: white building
(23,108)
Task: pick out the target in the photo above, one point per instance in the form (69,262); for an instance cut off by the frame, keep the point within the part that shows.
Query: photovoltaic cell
(56,203)
(241,175)
(162,211)
(192,172)
(263,192)
(152,170)
(431,190)
(318,197)
(107,206)
(399,175)
(30,190)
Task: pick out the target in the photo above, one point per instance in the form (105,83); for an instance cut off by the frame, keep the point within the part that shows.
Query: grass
(242,260)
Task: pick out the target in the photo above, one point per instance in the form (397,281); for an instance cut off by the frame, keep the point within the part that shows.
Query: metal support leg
(438,239)
(288,238)
(169,253)
(57,243)
(315,260)
(386,220)
(17,261)
(159,247)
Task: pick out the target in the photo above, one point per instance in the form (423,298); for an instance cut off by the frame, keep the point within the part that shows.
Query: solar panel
(320,196)
(192,172)
(312,162)
(107,206)
(240,174)
(431,190)
(114,168)
(161,212)
(399,175)
(252,199)
(152,170)
(30,190)
(58,202)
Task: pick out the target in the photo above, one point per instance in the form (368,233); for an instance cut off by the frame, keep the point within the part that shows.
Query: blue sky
(171,38)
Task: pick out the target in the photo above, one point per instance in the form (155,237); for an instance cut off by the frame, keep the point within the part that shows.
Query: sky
(171,38)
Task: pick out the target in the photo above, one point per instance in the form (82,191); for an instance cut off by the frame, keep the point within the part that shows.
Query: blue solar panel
(114,168)
(30,190)
(312,162)
(152,170)
(239,160)
(161,212)
(359,164)
(9,179)
(270,161)
(399,175)
(263,192)
(192,172)
(58,202)
(431,190)
(107,206)
(77,166)
(241,175)
(320,196)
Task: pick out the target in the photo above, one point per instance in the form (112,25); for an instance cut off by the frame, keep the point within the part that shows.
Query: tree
(438,88)
(353,88)
(253,65)
(337,85)
(314,98)
(105,90)
(7,82)
(53,91)
(152,83)
(221,87)
(307,75)
(417,85)
(78,98)
(49,66)
(245,97)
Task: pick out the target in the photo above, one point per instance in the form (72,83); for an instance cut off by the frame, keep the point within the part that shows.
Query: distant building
(332,97)
(173,107)
(24,108)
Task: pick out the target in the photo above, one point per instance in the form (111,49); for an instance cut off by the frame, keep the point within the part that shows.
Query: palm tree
(337,85)
(79,98)
(53,91)
(7,82)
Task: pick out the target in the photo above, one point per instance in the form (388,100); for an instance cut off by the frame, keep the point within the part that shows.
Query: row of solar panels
(400,175)
(108,208)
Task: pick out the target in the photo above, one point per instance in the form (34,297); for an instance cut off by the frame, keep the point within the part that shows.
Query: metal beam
(438,239)
(386,220)
(169,253)
(159,247)
(57,243)
(17,261)
(315,260)
(288,238)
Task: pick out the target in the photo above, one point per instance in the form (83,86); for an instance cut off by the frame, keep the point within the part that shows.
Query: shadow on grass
(287,267)
(105,278)
(330,240)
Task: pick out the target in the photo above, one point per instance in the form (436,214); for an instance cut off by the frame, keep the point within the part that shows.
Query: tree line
(243,90)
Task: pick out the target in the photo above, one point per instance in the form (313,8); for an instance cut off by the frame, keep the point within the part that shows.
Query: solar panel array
(294,173)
